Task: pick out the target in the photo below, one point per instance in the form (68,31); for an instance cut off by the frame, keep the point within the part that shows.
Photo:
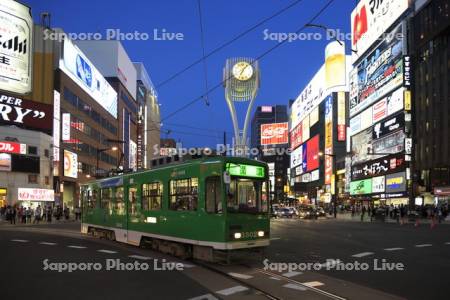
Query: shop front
(3,196)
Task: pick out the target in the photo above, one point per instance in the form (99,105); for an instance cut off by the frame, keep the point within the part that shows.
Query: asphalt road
(424,252)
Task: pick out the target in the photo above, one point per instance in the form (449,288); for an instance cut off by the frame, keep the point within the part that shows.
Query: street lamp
(114,148)
(333,195)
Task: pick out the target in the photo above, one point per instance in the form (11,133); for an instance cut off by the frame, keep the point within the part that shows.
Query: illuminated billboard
(296,136)
(80,69)
(5,162)
(16,49)
(379,73)
(275,133)
(12,147)
(312,154)
(32,194)
(361,187)
(70,164)
(296,157)
(370,19)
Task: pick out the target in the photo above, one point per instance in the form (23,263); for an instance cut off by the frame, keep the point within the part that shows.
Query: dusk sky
(284,71)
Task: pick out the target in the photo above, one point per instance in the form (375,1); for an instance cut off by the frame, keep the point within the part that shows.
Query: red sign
(341,132)
(312,156)
(16,111)
(360,24)
(275,133)
(296,136)
(10,147)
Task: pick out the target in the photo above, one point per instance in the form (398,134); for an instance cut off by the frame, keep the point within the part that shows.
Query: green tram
(201,208)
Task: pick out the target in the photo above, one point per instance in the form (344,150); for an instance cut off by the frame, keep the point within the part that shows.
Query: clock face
(242,71)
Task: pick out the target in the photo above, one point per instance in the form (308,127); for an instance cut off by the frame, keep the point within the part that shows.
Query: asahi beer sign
(379,73)
(370,19)
(16,29)
(16,111)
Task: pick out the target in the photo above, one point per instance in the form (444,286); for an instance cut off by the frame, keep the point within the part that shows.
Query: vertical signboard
(335,64)
(65,126)
(341,126)
(328,139)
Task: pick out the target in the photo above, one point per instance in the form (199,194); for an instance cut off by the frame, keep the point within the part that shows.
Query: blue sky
(284,72)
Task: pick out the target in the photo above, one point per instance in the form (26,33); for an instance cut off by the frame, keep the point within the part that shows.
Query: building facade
(269,143)
(430,53)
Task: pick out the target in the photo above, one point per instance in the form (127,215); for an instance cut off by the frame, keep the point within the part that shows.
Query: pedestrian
(37,215)
(49,214)
(66,213)
(29,214)
(402,214)
(13,215)
(353,211)
(363,212)
(77,211)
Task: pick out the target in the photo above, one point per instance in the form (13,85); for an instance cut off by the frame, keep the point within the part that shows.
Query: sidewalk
(357,218)
(54,221)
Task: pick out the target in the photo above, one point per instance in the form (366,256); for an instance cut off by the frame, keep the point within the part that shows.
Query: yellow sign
(328,135)
(407,100)
(395,180)
(333,184)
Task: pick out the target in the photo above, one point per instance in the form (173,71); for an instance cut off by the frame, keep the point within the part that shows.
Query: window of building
(152,196)
(184,194)
(47,180)
(32,150)
(32,178)
(119,204)
(213,195)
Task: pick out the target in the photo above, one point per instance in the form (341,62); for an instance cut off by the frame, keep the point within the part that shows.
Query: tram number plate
(247,235)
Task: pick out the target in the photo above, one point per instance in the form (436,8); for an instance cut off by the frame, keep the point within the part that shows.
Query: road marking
(204,297)
(423,245)
(76,247)
(241,276)
(362,254)
(232,290)
(393,249)
(295,287)
(330,263)
(274,278)
(275,238)
(291,274)
(107,251)
(140,257)
(313,283)
(47,243)
(447,243)
(20,241)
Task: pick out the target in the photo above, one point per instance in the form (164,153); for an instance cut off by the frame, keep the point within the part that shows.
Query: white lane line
(393,249)
(140,257)
(423,245)
(447,243)
(19,241)
(295,287)
(330,263)
(232,290)
(362,254)
(275,238)
(313,283)
(291,274)
(47,243)
(76,247)
(106,251)
(275,278)
(241,276)
(204,297)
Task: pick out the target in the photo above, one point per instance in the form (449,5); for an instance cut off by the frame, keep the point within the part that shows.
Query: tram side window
(105,199)
(213,198)
(152,196)
(88,199)
(120,203)
(184,194)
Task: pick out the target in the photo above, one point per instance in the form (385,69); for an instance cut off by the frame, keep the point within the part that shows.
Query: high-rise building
(430,55)
(269,142)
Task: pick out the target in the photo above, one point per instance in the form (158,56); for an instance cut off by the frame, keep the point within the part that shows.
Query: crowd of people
(27,215)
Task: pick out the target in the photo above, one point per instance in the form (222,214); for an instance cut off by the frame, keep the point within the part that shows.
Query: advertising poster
(378,184)
(396,183)
(312,156)
(32,194)
(274,134)
(361,187)
(296,157)
(5,162)
(296,136)
(12,147)
(70,164)
(381,166)
(16,51)
(379,73)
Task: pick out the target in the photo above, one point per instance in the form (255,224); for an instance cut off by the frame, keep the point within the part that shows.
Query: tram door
(132,202)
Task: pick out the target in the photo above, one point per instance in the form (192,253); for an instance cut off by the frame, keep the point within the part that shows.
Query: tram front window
(247,196)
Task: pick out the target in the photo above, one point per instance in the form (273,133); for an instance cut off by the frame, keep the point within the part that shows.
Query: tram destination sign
(245,170)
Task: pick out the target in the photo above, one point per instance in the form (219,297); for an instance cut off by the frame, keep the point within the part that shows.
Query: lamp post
(333,195)
(98,156)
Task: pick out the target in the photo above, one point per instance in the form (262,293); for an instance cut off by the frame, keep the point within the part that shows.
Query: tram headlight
(260,233)
(237,235)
